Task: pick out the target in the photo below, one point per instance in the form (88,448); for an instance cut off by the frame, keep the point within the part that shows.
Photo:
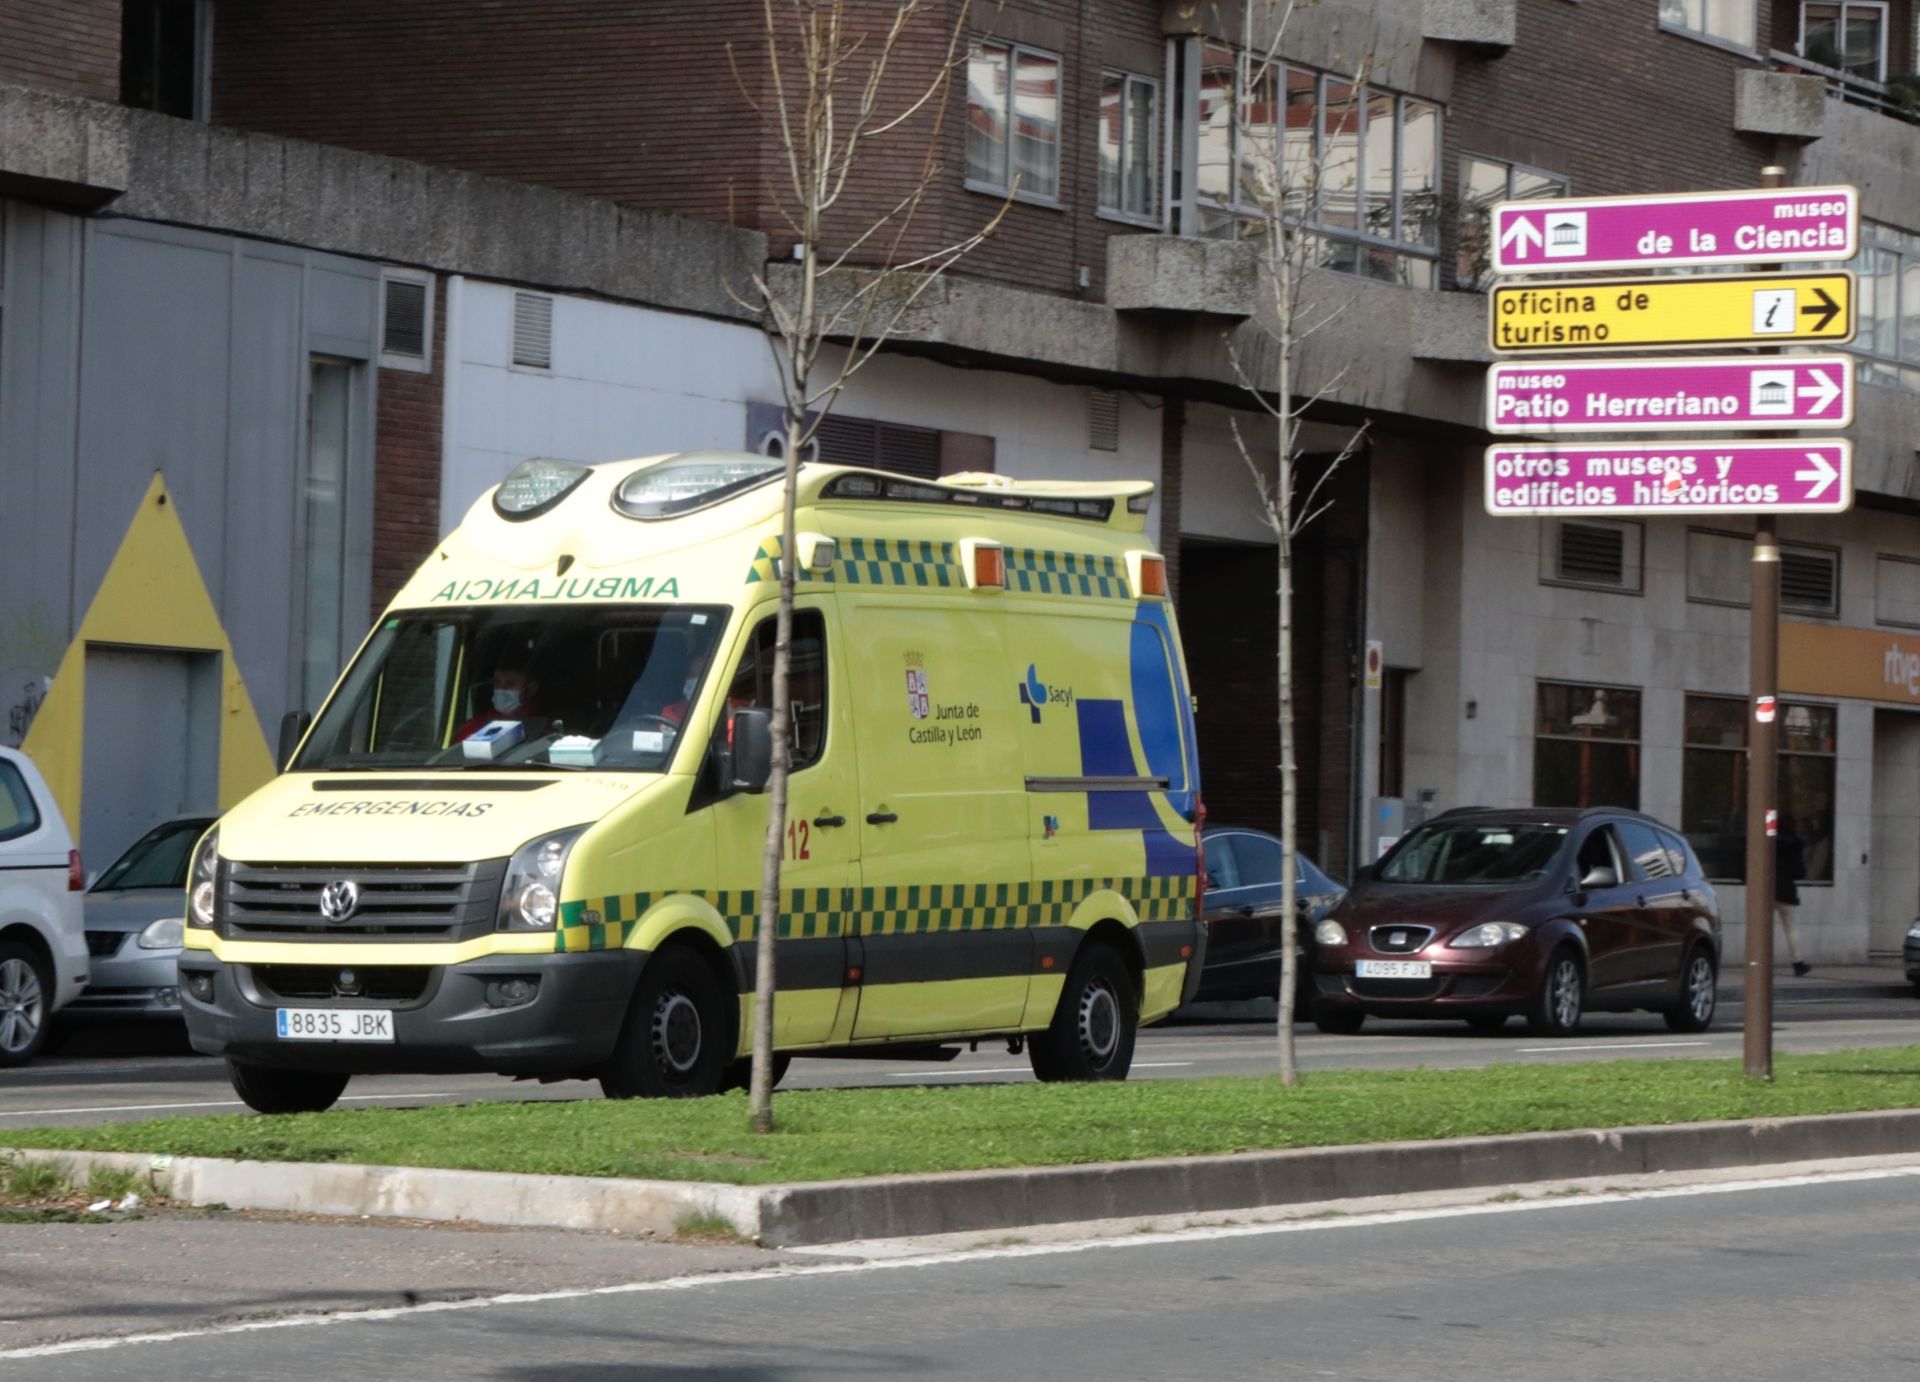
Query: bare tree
(1283,175)
(835,80)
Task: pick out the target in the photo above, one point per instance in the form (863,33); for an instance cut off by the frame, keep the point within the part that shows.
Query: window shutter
(1592,555)
(403,329)
(890,446)
(533,330)
(1103,420)
(1809,581)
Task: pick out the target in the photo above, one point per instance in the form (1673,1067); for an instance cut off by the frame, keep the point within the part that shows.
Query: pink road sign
(1795,224)
(1551,397)
(1671,477)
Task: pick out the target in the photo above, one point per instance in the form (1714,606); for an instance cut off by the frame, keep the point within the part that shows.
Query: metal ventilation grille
(903,450)
(1103,420)
(403,329)
(533,330)
(1592,555)
(1809,581)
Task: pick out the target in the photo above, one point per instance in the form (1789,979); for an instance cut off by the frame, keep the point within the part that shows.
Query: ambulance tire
(266,1090)
(740,1071)
(1093,1030)
(678,1039)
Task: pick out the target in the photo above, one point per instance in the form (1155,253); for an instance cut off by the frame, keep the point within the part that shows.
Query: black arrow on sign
(1827,310)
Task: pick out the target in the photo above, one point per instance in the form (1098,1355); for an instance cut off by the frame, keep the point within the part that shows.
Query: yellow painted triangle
(152,596)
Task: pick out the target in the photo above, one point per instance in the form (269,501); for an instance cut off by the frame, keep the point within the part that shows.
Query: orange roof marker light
(1147,573)
(985,563)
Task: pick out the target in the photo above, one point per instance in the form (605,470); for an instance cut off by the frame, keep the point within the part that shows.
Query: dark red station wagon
(1480,914)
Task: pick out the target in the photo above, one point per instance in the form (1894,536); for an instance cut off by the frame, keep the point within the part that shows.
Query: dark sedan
(1243,911)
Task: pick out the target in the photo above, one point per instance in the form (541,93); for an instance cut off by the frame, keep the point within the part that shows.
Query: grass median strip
(833,1133)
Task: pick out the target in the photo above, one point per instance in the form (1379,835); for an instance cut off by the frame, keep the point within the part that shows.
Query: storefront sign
(1654,313)
(1857,664)
(1669,477)
(1548,398)
(1799,224)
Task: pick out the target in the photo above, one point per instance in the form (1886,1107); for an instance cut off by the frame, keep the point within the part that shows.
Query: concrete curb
(797,1215)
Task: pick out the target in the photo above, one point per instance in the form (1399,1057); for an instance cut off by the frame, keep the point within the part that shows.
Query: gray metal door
(152,743)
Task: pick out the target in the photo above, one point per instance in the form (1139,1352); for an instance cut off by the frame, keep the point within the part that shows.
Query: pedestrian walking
(1789,867)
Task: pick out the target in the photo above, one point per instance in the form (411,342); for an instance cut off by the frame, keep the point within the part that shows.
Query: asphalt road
(1782,1281)
(128,1074)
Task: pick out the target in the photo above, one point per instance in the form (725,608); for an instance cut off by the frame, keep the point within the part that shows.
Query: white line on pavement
(212,1103)
(1608,1046)
(945,1259)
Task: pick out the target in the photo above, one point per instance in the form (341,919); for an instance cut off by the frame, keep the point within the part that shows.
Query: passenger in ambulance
(515,697)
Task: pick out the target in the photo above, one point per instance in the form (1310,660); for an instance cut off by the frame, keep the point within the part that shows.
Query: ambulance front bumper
(505,1014)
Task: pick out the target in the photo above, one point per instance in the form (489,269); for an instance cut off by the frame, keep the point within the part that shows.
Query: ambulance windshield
(596,686)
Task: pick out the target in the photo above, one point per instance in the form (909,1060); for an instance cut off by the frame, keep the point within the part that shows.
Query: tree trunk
(1283,269)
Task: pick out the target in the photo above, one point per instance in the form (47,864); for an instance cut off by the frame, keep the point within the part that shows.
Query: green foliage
(105,1183)
(707,1228)
(33,1180)
(832,1133)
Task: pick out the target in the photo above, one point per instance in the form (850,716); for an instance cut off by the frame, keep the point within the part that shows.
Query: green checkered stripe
(918,909)
(871,561)
(1079,574)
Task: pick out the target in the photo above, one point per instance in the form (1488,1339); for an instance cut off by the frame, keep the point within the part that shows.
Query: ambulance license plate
(1393,969)
(335,1024)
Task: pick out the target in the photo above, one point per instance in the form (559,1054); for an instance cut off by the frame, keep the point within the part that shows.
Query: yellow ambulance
(525,832)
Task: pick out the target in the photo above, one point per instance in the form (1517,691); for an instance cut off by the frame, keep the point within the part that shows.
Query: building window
(1586,747)
(406,321)
(1719,572)
(1887,305)
(324,568)
(1129,173)
(1896,591)
(1484,181)
(1849,36)
(1723,21)
(532,331)
(166,49)
(1354,166)
(1013,121)
(1597,552)
(1713,792)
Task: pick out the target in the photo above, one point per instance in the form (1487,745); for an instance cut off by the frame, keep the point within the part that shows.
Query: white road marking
(944,1259)
(213,1103)
(1016,1070)
(1614,1046)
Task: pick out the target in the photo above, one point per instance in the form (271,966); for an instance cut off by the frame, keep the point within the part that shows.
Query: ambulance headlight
(203,880)
(530,895)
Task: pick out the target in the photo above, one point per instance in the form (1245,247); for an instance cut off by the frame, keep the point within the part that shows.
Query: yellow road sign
(1647,313)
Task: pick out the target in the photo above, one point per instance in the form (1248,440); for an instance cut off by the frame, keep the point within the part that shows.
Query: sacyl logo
(1032,694)
(339,900)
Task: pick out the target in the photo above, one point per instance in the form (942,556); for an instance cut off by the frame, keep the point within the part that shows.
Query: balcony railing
(1901,101)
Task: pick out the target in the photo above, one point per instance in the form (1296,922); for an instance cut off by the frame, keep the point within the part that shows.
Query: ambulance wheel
(740,1071)
(1092,1033)
(266,1090)
(677,1041)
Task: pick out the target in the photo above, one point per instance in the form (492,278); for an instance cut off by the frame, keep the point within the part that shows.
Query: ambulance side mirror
(752,757)
(293,728)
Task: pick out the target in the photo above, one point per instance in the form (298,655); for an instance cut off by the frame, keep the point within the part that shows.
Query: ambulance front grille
(397,902)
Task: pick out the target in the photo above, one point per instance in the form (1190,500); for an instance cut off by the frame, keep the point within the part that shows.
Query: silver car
(133,921)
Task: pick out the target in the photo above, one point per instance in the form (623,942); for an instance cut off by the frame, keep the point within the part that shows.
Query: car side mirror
(750,763)
(1599,876)
(293,728)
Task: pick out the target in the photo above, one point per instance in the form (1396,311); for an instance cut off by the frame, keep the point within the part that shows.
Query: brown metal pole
(1763,741)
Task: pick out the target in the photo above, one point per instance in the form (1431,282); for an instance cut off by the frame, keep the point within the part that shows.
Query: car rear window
(1649,853)
(18,815)
(1479,853)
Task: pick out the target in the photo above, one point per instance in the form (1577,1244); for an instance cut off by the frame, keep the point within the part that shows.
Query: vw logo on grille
(340,899)
(1396,938)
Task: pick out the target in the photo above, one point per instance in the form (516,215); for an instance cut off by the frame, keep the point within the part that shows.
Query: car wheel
(1338,1021)
(1556,1009)
(677,1040)
(1092,1033)
(1488,1024)
(740,1071)
(24,983)
(1698,994)
(267,1090)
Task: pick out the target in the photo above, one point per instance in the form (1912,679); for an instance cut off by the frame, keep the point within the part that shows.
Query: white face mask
(506,702)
